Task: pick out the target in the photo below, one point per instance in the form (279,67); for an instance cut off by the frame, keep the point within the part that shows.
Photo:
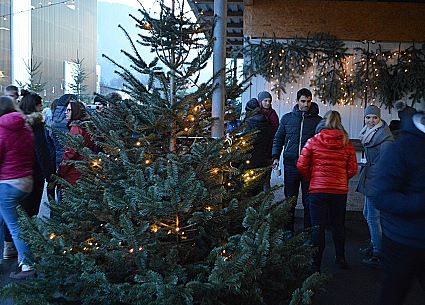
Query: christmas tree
(161,215)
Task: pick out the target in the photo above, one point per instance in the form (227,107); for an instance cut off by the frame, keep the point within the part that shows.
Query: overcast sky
(148,4)
(111,39)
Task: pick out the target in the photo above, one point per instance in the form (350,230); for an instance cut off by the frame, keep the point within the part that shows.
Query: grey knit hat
(263,95)
(372,109)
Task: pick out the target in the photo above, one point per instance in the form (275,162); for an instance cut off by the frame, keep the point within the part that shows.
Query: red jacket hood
(327,163)
(331,138)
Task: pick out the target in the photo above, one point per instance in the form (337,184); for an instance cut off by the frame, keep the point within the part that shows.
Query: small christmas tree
(79,77)
(34,82)
(161,215)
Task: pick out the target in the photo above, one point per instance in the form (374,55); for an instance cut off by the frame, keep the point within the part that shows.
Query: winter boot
(9,251)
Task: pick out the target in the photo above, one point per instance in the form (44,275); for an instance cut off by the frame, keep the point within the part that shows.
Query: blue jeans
(292,181)
(9,197)
(373,218)
(328,209)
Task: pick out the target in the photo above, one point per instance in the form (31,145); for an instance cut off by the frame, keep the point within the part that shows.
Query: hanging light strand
(41,6)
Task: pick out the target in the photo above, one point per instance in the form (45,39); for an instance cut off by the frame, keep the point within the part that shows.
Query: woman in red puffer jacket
(328,161)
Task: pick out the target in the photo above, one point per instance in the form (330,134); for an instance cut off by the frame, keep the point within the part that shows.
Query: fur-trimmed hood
(34,119)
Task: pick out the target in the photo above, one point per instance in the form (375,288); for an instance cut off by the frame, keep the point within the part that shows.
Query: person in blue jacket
(58,124)
(400,196)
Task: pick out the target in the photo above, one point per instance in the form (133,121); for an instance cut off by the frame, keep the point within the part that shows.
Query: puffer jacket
(294,130)
(16,147)
(260,154)
(44,165)
(382,139)
(400,186)
(327,162)
(68,171)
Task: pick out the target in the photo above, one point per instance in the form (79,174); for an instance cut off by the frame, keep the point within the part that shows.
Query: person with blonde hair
(328,161)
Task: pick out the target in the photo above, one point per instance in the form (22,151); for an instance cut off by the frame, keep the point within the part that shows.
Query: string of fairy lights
(40,6)
(340,73)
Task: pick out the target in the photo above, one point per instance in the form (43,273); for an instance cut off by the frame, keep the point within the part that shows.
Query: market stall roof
(204,9)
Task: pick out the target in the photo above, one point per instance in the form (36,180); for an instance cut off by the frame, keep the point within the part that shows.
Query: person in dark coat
(400,197)
(328,161)
(265,102)
(376,137)
(295,128)
(259,123)
(44,165)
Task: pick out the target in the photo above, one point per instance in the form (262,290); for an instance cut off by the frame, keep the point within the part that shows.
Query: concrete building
(51,33)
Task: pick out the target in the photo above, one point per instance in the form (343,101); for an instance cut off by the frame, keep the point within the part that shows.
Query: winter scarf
(366,134)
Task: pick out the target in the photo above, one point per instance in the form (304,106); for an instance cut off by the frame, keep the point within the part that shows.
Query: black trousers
(328,209)
(292,181)
(403,265)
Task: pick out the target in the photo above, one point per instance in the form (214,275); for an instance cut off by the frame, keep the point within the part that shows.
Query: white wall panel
(21,39)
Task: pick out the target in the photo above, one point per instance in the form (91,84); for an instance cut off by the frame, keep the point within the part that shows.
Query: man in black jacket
(295,128)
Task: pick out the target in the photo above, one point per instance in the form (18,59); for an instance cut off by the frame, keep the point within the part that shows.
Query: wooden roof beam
(234,43)
(229,13)
(212,1)
(234,35)
(238,25)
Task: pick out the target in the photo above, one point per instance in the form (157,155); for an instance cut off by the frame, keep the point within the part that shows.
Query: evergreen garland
(379,77)
(330,80)
(411,71)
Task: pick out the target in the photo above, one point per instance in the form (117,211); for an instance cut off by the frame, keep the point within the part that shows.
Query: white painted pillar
(20,43)
(219,60)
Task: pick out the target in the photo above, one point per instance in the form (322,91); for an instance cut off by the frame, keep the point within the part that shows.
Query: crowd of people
(319,157)
(31,152)
(317,154)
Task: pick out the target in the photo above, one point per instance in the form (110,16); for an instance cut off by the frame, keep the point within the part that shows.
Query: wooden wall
(347,20)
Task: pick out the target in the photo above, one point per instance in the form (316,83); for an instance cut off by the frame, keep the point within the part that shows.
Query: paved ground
(5,268)
(359,285)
